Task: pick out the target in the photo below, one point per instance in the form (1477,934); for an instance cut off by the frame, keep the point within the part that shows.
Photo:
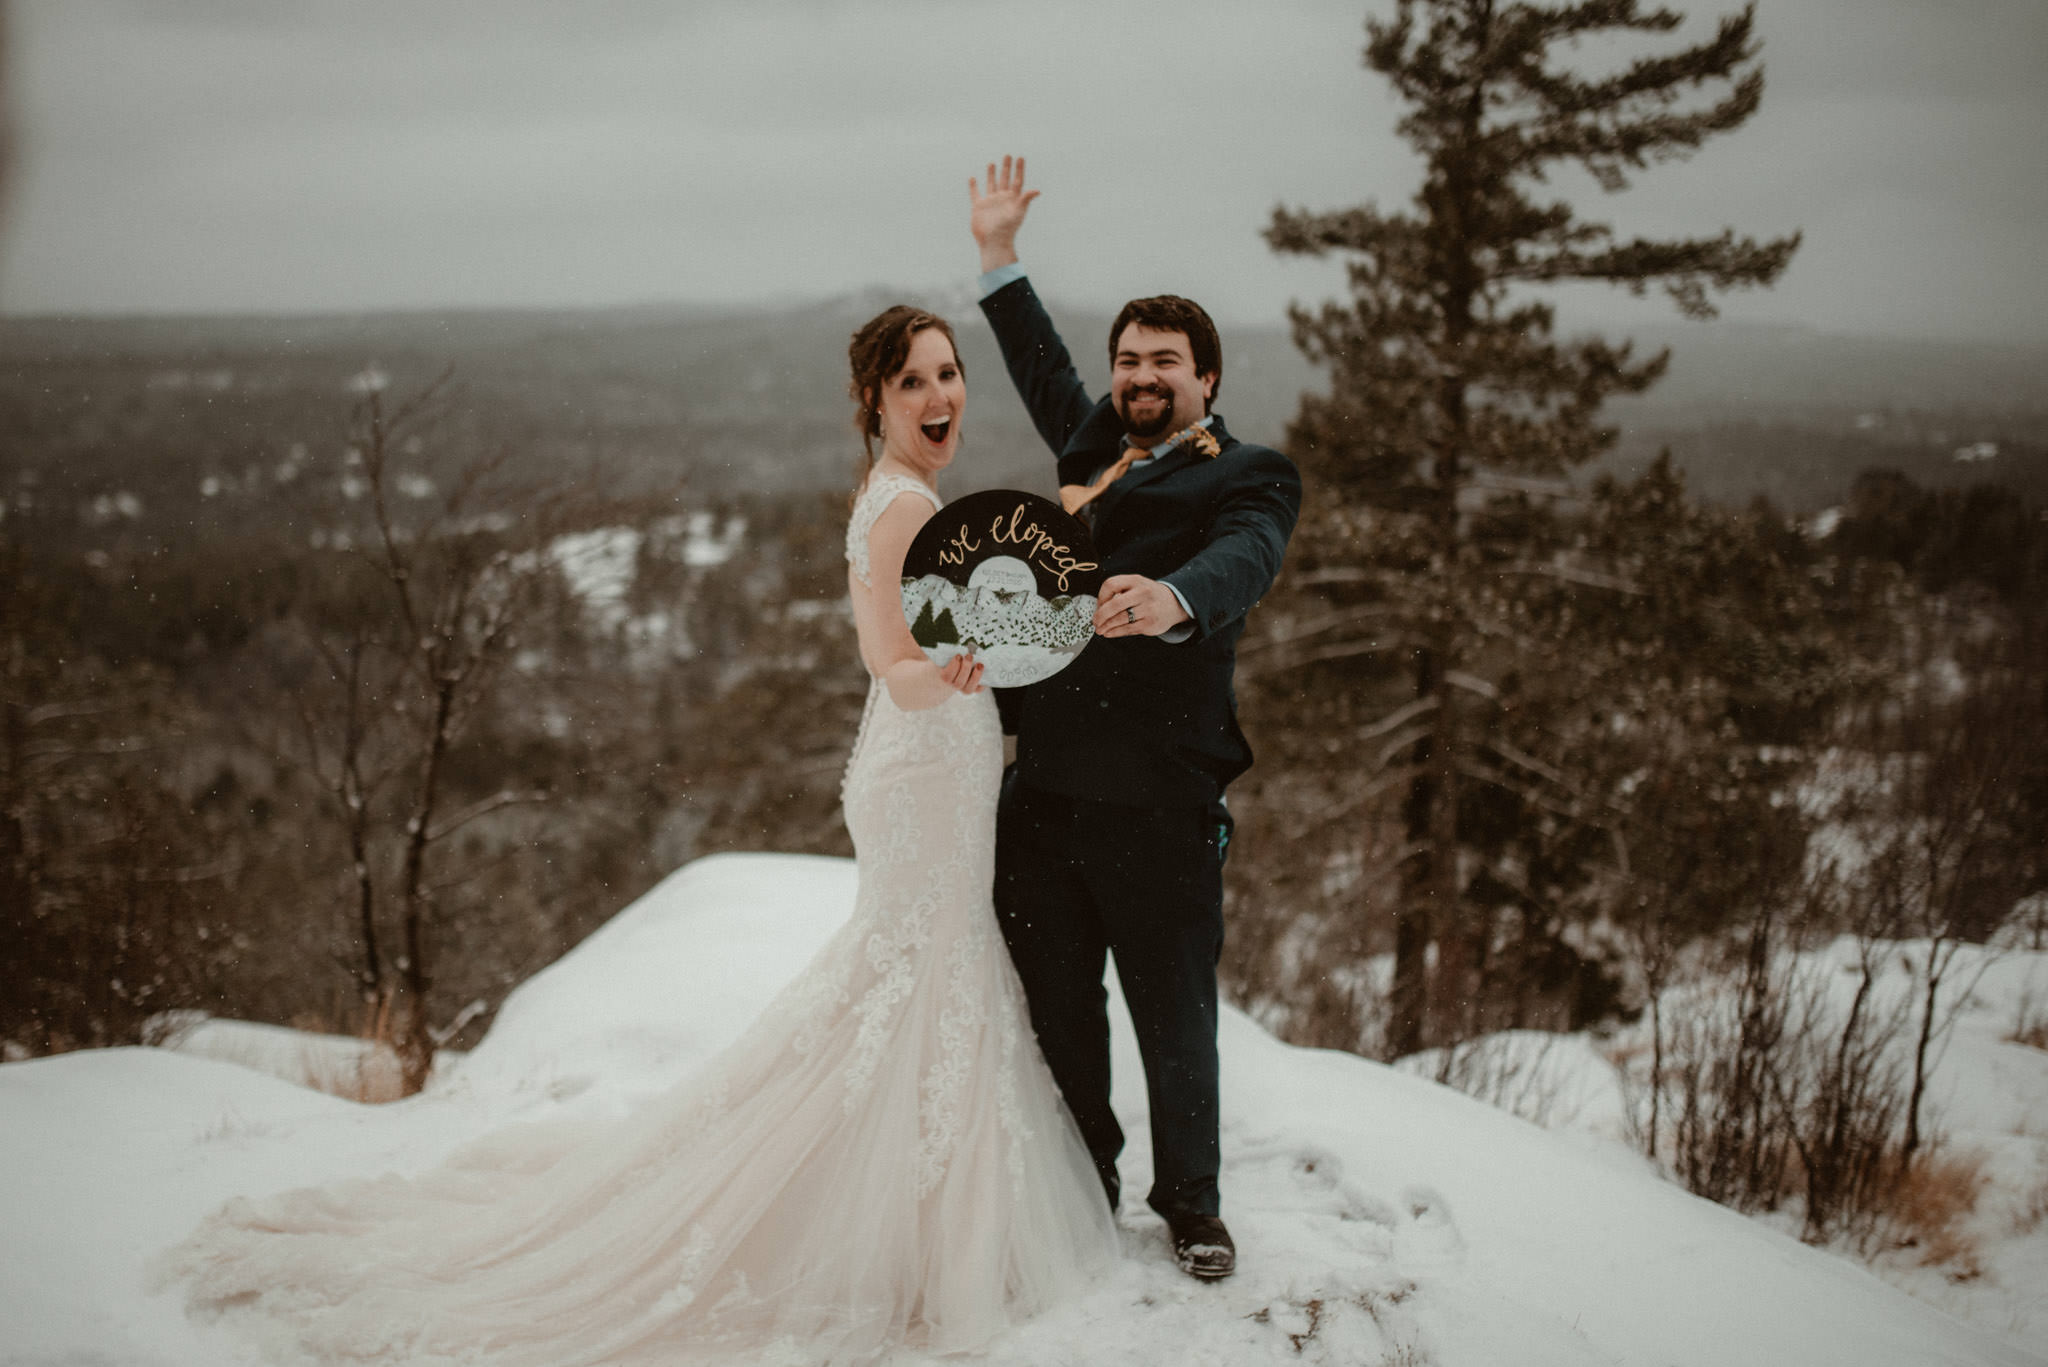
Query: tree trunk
(415,1045)
(16,870)
(356,813)
(1415,927)
(1656,1067)
(1921,1043)
(1408,999)
(1450,997)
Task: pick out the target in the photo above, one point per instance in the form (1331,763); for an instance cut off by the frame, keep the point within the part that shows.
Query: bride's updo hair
(878,351)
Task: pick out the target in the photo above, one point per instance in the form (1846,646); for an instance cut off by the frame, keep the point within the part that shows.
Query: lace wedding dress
(881,1159)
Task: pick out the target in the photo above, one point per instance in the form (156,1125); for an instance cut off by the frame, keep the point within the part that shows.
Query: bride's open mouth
(936,432)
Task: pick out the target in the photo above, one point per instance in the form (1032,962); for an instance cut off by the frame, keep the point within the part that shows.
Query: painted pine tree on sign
(1432,533)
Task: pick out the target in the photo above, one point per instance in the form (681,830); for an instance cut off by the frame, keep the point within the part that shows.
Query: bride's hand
(1000,212)
(962,673)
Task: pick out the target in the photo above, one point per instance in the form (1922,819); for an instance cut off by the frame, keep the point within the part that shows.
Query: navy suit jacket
(1133,719)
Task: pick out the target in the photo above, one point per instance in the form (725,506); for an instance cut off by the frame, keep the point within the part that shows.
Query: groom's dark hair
(1171,313)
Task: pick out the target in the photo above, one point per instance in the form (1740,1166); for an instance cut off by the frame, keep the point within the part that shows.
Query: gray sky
(288,155)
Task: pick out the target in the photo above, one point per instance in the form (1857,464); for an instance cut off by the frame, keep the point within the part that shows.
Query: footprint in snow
(1319,1174)
(1427,1239)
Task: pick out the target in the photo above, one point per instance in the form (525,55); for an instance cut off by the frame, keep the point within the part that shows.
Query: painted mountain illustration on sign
(1008,575)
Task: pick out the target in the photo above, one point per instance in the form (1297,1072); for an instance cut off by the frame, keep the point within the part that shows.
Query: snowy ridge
(1381,1219)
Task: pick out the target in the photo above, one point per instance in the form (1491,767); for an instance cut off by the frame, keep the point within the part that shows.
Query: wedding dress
(881,1159)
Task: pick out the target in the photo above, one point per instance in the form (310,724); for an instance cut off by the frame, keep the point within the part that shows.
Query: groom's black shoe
(1202,1246)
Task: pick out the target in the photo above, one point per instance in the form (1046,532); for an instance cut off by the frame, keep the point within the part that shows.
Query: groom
(1111,829)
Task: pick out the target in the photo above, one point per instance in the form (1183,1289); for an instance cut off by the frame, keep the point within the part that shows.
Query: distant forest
(205,423)
(318,697)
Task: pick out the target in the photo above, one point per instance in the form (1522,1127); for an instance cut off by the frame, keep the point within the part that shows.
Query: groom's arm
(1032,351)
(1248,536)
(1036,358)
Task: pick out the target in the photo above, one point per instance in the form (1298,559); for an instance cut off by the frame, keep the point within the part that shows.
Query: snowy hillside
(1381,1219)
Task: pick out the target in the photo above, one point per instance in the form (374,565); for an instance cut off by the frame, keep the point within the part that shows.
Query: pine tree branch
(60,711)
(495,802)
(1724,261)
(1314,626)
(1399,717)
(1472,683)
(1344,650)
(1535,797)
(1400,742)
(1660,78)
(1363,796)
(1335,574)
(1576,575)
(1559,489)
(1524,760)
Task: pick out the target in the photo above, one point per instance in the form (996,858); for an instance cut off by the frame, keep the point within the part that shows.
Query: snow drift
(1380,1218)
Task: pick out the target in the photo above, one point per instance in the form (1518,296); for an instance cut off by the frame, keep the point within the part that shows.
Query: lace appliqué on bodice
(881,490)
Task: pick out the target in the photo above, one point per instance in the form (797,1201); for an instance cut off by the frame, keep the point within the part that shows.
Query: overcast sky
(293,155)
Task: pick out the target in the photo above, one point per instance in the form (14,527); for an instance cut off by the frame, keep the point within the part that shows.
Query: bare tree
(405,652)
(1952,839)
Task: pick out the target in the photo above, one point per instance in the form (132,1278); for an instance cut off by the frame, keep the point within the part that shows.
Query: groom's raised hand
(999,213)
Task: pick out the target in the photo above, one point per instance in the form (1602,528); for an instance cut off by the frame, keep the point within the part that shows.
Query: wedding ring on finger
(1131,616)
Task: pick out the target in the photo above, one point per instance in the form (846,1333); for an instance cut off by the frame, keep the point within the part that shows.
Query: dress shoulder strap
(879,492)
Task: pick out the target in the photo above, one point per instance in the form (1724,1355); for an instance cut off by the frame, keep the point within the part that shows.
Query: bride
(881,1159)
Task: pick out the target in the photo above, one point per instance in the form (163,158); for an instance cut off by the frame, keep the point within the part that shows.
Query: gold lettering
(1039,546)
(956,553)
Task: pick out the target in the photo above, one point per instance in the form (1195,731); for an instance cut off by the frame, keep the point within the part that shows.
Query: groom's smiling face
(1153,383)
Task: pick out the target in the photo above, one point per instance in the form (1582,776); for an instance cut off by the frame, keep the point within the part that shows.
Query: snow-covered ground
(359,1069)
(1381,1219)
(1989,1099)
(1987,1102)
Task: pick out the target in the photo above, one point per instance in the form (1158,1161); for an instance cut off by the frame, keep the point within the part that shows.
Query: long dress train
(881,1159)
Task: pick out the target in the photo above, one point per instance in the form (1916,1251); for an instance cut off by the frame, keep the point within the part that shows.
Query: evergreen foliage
(1985,534)
(924,631)
(1436,539)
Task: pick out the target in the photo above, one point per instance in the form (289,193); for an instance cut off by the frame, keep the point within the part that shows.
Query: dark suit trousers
(1076,879)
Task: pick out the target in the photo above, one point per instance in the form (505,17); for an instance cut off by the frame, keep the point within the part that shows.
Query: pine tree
(924,631)
(1434,535)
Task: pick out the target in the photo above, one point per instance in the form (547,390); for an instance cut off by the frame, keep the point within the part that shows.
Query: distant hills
(193,418)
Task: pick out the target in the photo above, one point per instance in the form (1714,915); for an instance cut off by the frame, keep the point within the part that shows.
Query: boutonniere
(1197,436)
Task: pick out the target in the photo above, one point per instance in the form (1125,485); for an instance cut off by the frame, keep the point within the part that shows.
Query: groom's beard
(1153,427)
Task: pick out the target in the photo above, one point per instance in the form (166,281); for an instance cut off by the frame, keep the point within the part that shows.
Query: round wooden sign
(1008,575)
